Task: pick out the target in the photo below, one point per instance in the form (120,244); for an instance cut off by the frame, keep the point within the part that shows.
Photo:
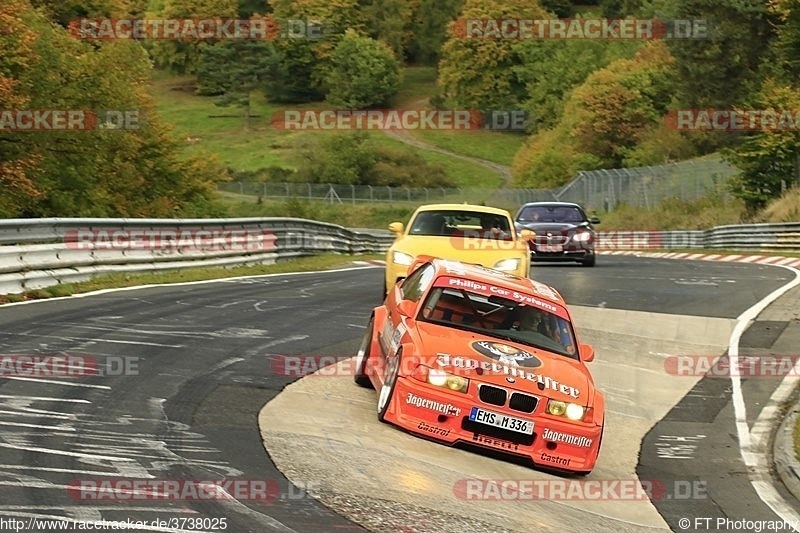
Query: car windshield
(462,223)
(550,213)
(500,317)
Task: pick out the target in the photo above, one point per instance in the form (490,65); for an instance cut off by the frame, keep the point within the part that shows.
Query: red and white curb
(759,259)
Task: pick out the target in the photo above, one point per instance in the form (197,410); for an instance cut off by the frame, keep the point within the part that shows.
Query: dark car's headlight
(583,236)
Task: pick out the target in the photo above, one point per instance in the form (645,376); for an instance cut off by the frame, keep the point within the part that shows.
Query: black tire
(589,261)
(387,390)
(360,376)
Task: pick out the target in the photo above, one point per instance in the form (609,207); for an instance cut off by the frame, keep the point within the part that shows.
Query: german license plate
(511,423)
(551,247)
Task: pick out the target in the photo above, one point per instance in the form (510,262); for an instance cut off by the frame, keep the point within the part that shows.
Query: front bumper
(570,446)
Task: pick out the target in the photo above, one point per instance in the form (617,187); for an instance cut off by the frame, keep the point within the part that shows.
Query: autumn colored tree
(604,119)
(18,167)
(88,173)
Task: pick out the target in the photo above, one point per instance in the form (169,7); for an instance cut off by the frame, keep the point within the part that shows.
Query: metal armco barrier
(38,253)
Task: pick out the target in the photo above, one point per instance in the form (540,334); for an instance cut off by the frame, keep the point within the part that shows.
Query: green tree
(552,69)
(722,70)
(788,44)
(233,70)
(768,158)
(364,73)
(301,66)
(182,56)
(427,31)
(480,72)
(387,21)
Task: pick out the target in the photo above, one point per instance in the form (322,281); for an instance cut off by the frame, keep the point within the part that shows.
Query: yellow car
(469,233)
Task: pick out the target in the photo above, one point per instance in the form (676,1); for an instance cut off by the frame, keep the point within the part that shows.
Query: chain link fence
(648,186)
(595,190)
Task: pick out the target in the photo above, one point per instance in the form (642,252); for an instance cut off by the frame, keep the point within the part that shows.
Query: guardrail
(38,253)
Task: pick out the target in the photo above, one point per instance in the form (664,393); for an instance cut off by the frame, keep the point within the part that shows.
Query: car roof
(564,204)
(464,207)
(506,280)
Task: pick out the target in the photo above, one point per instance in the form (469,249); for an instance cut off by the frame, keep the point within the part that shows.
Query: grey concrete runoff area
(395,480)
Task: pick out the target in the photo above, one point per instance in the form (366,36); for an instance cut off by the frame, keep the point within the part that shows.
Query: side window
(415,285)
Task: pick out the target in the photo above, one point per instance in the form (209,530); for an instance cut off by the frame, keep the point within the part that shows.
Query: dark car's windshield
(551,213)
(500,317)
(463,223)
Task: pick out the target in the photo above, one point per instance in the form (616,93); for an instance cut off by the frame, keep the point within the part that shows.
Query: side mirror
(594,220)
(527,235)
(396,227)
(587,353)
(406,308)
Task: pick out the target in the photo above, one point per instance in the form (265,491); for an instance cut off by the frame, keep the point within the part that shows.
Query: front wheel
(387,389)
(360,377)
(589,261)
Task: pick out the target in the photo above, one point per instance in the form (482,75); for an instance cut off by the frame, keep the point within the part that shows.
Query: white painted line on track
(63,452)
(187,283)
(36,426)
(42,399)
(57,382)
(754,457)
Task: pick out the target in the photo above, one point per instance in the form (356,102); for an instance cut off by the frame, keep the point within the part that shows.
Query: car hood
(539,227)
(506,363)
(485,252)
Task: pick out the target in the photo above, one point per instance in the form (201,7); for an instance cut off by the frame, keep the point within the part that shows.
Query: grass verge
(305,264)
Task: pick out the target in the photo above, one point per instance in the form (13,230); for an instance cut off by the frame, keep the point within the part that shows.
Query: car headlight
(440,378)
(507,264)
(573,411)
(400,258)
(582,236)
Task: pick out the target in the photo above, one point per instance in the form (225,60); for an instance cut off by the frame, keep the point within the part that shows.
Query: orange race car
(467,355)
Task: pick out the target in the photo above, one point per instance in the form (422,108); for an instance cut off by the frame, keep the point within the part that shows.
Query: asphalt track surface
(202,355)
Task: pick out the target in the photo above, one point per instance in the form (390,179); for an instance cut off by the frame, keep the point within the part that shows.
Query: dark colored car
(563,231)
